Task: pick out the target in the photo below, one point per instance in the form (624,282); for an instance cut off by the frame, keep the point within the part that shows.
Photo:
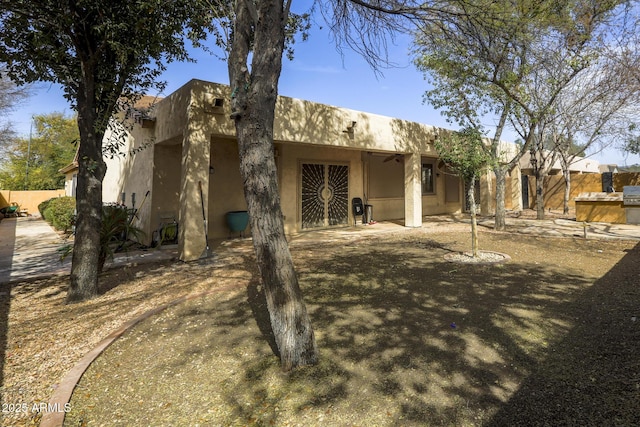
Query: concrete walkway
(29,246)
(568,228)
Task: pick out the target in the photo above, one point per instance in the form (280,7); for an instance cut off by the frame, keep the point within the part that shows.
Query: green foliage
(105,54)
(632,143)
(632,168)
(60,213)
(114,235)
(10,96)
(43,207)
(122,46)
(464,152)
(514,56)
(34,163)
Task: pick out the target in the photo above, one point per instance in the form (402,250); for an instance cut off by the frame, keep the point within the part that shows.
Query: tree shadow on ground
(405,338)
(445,342)
(448,342)
(7,240)
(258,303)
(5,306)
(592,376)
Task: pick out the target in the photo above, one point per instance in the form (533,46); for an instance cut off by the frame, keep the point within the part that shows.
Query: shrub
(60,212)
(115,220)
(43,207)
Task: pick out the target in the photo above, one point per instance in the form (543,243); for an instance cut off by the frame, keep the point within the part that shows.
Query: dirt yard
(405,338)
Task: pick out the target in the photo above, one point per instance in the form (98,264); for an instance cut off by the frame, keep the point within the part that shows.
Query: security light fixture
(350,129)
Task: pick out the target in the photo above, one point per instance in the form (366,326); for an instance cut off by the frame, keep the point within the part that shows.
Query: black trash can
(368,214)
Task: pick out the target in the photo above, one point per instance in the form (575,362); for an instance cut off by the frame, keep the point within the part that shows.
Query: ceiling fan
(395,157)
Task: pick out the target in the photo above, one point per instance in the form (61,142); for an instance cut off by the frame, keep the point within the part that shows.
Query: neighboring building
(325,156)
(610,168)
(578,165)
(70,173)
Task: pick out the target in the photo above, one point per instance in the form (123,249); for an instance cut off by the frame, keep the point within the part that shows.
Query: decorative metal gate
(325,195)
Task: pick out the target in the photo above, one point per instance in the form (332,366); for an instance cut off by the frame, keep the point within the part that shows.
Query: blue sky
(318,73)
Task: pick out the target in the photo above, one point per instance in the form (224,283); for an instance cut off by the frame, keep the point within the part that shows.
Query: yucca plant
(117,230)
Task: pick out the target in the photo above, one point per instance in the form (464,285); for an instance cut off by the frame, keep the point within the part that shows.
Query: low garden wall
(28,200)
(600,207)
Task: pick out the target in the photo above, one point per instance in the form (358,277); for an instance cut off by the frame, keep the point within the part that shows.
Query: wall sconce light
(350,129)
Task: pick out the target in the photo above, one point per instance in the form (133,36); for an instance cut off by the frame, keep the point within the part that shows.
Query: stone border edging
(65,389)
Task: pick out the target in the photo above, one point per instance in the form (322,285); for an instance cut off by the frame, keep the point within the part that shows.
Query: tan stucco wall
(28,200)
(625,178)
(68,182)
(226,192)
(297,121)
(512,192)
(131,172)
(554,189)
(194,123)
(601,211)
(166,184)
(390,176)
(194,184)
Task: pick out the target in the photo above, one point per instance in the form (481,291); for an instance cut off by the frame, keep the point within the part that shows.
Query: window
(428,181)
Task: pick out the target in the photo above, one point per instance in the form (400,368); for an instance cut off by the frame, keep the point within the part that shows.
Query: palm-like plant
(115,235)
(117,229)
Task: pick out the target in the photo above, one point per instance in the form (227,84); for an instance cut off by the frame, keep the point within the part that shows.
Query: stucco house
(326,156)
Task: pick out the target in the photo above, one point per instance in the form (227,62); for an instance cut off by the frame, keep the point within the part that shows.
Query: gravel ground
(405,338)
(465,345)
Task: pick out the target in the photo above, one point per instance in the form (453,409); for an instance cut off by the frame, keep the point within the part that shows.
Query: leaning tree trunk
(471,198)
(254,95)
(500,219)
(91,171)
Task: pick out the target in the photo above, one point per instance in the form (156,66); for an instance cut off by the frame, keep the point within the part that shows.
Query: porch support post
(195,169)
(516,188)
(413,190)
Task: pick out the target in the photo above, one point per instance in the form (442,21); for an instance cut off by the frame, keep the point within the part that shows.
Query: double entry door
(325,195)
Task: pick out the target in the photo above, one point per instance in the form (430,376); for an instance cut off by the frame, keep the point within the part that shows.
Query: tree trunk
(471,197)
(254,96)
(500,219)
(91,171)
(539,196)
(567,192)
(499,170)
(564,161)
